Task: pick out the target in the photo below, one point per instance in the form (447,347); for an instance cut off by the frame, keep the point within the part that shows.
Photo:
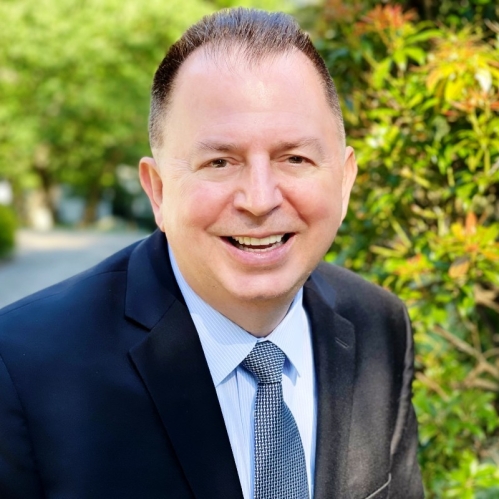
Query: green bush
(7,230)
(421,103)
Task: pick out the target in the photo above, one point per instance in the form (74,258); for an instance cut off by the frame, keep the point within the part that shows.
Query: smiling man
(219,357)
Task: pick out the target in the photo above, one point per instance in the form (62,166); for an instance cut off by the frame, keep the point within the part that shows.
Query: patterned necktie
(280,470)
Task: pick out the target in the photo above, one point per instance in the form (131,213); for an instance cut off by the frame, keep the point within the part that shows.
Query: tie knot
(265,362)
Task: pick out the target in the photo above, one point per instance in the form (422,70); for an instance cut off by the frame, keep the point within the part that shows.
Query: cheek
(196,205)
(319,204)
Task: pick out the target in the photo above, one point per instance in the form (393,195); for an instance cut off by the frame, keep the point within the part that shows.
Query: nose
(259,192)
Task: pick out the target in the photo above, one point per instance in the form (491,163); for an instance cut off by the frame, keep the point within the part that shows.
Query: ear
(152,183)
(349,174)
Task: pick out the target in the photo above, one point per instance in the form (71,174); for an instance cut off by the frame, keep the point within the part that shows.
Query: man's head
(251,177)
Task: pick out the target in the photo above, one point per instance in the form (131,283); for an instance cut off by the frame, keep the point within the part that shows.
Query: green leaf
(416,54)
(381,72)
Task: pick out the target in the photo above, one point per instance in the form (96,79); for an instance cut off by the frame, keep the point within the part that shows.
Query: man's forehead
(225,82)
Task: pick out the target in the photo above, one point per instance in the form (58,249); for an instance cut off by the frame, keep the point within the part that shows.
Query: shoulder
(352,290)
(74,297)
(380,318)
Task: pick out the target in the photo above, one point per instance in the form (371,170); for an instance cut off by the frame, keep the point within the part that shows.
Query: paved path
(44,258)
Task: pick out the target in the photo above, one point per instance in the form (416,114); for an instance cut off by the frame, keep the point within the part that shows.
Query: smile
(255,244)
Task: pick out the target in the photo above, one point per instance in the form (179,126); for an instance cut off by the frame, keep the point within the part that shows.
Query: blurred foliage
(421,106)
(8,226)
(281,5)
(75,80)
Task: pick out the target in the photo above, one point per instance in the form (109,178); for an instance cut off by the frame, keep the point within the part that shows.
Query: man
(223,360)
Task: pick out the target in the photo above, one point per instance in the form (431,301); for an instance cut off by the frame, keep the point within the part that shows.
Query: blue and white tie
(280,469)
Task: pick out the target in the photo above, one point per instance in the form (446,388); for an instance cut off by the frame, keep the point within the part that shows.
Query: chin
(271,290)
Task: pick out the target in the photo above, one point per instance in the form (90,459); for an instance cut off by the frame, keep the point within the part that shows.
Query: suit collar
(333,339)
(172,366)
(151,288)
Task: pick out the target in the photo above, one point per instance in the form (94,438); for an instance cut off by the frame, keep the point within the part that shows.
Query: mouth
(258,245)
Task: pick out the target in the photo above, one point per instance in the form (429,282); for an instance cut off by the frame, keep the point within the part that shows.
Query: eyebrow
(215,146)
(283,145)
(303,142)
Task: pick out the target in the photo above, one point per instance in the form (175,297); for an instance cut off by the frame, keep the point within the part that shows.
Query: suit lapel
(171,363)
(333,339)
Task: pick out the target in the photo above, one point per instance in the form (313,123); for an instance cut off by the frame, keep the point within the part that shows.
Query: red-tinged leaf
(459,267)
(471,223)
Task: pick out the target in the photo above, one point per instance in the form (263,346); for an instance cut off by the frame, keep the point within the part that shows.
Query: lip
(261,236)
(271,257)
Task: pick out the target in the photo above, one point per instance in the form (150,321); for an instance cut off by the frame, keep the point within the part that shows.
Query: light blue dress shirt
(225,346)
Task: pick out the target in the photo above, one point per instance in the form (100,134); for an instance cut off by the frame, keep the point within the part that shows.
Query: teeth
(254,241)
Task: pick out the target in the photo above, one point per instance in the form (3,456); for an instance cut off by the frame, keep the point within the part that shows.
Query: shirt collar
(226,345)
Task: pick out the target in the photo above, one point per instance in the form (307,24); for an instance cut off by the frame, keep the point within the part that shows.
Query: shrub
(7,230)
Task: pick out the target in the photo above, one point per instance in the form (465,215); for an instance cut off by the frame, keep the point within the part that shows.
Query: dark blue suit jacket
(105,392)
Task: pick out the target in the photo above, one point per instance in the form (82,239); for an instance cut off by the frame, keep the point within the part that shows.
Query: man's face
(252,181)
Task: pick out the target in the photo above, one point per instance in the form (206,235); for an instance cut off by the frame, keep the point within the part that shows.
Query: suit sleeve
(18,476)
(406,476)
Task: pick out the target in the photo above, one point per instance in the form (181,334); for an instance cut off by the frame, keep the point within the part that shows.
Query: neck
(257,318)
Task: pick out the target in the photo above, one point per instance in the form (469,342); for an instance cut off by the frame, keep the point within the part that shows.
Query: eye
(218,163)
(296,160)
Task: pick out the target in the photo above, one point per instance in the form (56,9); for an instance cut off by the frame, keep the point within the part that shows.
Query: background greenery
(8,225)
(420,87)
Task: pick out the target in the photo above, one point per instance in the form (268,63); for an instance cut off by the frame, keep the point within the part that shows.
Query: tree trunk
(47,190)
(92,203)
